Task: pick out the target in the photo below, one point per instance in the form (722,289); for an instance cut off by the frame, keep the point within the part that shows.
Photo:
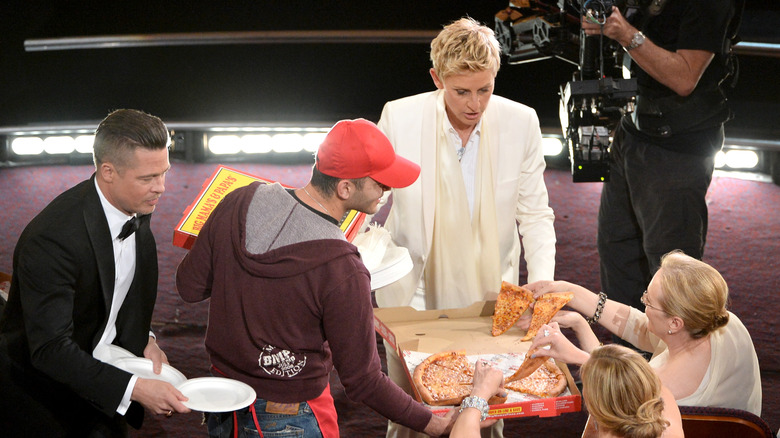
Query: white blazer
(522,207)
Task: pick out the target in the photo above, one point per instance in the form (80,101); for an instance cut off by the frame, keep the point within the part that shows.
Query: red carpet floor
(743,243)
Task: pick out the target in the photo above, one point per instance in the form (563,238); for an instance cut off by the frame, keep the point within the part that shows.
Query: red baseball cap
(357,148)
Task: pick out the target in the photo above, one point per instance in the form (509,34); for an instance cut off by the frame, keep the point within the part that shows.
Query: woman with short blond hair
(481,187)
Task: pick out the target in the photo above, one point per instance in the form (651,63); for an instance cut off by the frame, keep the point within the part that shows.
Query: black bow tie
(130,227)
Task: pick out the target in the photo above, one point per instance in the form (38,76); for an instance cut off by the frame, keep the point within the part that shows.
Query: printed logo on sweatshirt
(281,363)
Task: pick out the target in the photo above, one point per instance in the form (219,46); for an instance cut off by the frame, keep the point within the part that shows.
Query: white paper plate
(395,265)
(216,394)
(110,353)
(142,367)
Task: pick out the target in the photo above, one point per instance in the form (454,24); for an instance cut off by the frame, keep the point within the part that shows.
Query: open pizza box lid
(409,332)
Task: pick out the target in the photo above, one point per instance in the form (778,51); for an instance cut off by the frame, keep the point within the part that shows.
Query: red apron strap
(254,417)
(325,412)
(322,407)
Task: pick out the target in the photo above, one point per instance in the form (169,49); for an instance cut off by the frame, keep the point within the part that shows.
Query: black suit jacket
(58,306)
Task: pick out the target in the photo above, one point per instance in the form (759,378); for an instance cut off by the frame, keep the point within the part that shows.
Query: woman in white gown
(701,351)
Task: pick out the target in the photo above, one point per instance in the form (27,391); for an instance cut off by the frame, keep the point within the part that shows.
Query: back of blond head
(622,393)
(465,46)
(695,292)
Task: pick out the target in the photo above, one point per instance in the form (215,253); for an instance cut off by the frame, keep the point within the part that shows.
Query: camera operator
(662,155)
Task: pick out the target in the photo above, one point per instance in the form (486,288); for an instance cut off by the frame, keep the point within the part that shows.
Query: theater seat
(700,421)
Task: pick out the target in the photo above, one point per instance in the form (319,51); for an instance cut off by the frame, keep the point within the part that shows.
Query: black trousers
(654,202)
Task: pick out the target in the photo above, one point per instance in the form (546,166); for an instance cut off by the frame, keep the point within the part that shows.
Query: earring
(670,332)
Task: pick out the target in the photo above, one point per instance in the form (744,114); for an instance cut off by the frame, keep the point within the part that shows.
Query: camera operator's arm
(680,70)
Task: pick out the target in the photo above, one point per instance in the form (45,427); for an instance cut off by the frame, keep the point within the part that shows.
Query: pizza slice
(544,309)
(511,303)
(444,378)
(545,381)
(528,367)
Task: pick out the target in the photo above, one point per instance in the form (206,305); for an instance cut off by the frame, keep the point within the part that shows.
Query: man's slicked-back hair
(125,130)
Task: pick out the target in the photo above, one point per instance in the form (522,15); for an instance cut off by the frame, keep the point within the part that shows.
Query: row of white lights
(268,141)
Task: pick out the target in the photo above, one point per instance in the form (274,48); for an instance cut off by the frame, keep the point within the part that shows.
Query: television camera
(599,94)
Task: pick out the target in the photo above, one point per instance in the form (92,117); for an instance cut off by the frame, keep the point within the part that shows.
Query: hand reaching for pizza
(488,380)
(560,347)
(524,322)
(569,319)
(564,318)
(542,287)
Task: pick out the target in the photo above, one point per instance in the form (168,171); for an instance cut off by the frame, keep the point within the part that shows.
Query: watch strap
(479,403)
(637,40)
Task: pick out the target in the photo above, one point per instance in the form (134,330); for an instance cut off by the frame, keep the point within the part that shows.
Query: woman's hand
(542,287)
(569,319)
(488,380)
(560,348)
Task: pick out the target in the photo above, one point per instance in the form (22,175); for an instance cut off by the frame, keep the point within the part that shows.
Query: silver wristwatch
(479,403)
(637,40)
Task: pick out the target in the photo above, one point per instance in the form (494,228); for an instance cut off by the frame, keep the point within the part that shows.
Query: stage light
(284,140)
(84,143)
(38,145)
(552,146)
(27,145)
(224,144)
(58,144)
(739,156)
(313,140)
(256,143)
(720,160)
(287,143)
(741,159)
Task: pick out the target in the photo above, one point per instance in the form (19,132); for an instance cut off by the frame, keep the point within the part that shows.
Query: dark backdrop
(281,82)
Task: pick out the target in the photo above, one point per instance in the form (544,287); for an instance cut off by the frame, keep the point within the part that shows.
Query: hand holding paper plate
(142,367)
(216,394)
(206,394)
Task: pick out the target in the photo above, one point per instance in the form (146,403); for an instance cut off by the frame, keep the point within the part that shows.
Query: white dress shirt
(124,271)
(468,157)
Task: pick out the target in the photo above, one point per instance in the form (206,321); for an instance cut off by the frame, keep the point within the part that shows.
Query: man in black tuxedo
(79,285)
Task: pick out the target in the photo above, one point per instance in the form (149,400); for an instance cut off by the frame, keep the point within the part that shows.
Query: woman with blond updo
(622,394)
(625,398)
(701,351)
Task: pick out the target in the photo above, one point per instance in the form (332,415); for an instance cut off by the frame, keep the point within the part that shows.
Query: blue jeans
(302,425)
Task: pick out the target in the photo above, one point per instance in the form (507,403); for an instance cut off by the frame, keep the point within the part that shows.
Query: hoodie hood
(274,236)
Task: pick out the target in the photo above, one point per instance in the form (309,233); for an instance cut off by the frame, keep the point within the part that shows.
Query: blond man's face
(466,96)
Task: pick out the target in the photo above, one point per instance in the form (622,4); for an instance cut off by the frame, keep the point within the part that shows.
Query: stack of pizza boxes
(223,181)
(417,335)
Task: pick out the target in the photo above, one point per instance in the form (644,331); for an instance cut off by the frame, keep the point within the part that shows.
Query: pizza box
(223,181)
(409,331)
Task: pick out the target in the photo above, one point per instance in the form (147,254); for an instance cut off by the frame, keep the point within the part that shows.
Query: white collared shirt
(468,162)
(124,271)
